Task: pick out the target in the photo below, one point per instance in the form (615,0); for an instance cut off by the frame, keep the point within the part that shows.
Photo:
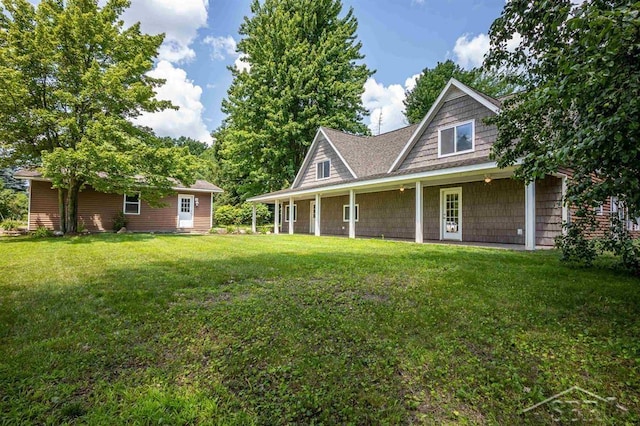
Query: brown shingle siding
(425,151)
(322,152)
(96,211)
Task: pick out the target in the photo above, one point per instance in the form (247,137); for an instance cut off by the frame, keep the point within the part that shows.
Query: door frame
(312,219)
(193,209)
(443,192)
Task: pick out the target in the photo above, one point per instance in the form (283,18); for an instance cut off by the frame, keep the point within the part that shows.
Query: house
(433,181)
(188,210)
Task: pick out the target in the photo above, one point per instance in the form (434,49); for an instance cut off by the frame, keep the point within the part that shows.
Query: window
(132,204)
(295,213)
(323,169)
(345,212)
(456,139)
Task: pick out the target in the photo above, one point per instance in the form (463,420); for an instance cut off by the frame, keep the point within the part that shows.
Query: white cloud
(410,82)
(187,120)
(221,47)
(388,101)
(179,20)
(241,64)
(470,52)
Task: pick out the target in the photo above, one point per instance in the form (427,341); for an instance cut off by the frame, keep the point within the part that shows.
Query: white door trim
(450,235)
(186,223)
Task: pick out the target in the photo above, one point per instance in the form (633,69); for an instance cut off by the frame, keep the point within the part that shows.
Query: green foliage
(42,232)
(579,68)
(432,80)
(13,204)
(242,214)
(119,221)
(618,241)
(225,215)
(74,77)
(195,147)
(10,225)
(575,245)
(304,71)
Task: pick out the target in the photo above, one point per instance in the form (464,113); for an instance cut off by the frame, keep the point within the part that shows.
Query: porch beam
(276,218)
(253,217)
(530,216)
(352,213)
(419,212)
(292,210)
(317,219)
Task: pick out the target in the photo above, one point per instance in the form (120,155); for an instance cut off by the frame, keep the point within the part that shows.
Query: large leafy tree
(71,78)
(579,68)
(432,80)
(303,71)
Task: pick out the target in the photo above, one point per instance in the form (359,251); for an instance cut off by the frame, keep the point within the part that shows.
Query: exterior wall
(96,211)
(491,213)
(461,109)
(548,210)
(322,152)
(301,225)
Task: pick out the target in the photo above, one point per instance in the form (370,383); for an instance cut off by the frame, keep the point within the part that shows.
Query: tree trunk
(62,195)
(71,218)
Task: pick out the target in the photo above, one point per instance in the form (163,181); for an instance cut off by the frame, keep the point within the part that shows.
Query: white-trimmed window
(456,139)
(323,169)
(287,210)
(345,212)
(131,204)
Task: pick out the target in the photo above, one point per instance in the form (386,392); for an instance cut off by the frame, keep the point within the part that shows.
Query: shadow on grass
(417,334)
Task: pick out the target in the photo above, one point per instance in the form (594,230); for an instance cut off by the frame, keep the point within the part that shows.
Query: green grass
(292,329)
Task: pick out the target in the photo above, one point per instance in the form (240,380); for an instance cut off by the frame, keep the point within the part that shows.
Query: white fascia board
(379,182)
(207,191)
(307,159)
(432,112)
(339,155)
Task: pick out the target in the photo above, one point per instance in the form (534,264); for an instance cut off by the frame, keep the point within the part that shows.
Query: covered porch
(480,205)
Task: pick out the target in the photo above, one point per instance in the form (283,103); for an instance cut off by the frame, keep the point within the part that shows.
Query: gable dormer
(452,131)
(322,164)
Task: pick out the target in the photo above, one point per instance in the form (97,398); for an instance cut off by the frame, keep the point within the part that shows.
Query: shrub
(226,215)
(13,204)
(42,232)
(119,221)
(242,214)
(10,225)
(575,246)
(618,241)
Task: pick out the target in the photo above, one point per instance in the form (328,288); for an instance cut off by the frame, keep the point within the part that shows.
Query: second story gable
(322,164)
(453,131)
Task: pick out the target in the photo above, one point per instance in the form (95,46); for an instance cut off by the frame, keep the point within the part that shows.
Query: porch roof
(460,168)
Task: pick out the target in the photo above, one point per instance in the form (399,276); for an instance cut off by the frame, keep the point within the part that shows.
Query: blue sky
(399,39)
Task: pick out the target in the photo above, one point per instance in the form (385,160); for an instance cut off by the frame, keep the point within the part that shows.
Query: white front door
(312,217)
(185,211)
(451,214)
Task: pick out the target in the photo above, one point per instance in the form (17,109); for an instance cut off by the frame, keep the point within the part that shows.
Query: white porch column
(291,215)
(276,218)
(352,214)
(253,218)
(419,212)
(317,219)
(565,206)
(530,216)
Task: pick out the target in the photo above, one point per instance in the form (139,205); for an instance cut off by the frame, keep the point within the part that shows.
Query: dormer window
(323,169)
(456,139)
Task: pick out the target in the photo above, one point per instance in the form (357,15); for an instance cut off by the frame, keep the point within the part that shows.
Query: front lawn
(294,329)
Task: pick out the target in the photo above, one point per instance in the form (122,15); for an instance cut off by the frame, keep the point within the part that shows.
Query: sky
(399,39)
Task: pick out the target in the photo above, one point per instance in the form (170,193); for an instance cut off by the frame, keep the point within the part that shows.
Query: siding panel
(322,152)
(461,109)
(96,211)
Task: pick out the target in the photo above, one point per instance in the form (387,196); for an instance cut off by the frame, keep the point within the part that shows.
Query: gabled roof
(370,155)
(198,186)
(492,104)
(311,150)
